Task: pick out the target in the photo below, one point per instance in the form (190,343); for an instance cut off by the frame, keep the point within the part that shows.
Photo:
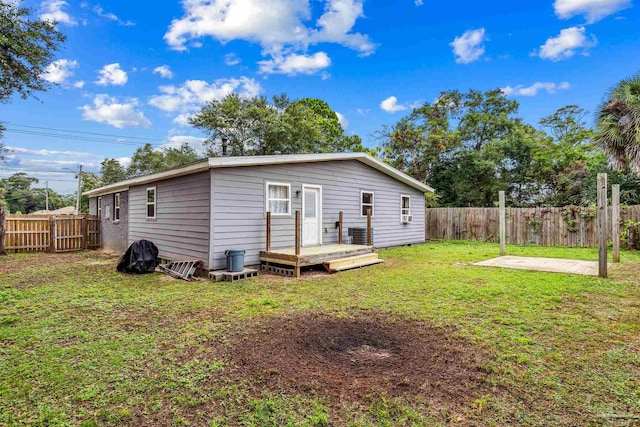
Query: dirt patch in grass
(360,355)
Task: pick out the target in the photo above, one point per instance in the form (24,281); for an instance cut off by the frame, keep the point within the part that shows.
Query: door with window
(311,216)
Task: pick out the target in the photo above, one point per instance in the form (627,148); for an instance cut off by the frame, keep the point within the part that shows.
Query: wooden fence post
(85,231)
(503,223)
(369,230)
(615,221)
(2,229)
(340,217)
(602,225)
(52,234)
(268,248)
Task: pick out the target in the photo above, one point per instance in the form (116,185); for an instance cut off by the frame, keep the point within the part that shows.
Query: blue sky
(131,73)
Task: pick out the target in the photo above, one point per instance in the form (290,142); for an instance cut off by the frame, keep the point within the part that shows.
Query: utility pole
(79,187)
(46,196)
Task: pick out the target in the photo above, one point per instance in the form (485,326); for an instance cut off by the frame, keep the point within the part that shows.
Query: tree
(18,194)
(112,171)
(89,182)
(618,125)
(146,159)
(258,127)
(27,47)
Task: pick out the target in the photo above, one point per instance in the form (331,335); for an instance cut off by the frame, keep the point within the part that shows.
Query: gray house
(200,210)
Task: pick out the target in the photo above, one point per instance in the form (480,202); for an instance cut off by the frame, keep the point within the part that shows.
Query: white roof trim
(229,162)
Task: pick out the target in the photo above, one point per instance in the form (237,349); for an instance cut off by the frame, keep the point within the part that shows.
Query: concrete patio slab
(552,265)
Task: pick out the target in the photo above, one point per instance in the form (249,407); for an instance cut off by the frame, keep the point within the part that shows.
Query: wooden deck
(314,255)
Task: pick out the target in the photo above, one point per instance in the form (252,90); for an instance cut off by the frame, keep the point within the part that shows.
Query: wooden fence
(66,233)
(568,226)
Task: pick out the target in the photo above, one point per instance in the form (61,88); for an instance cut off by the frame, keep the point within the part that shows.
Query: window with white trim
(116,207)
(99,207)
(405,205)
(278,198)
(366,202)
(151,203)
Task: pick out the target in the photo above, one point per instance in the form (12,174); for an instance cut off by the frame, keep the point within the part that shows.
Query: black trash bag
(140,258)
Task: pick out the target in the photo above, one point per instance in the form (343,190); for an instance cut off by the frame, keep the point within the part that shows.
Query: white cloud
(98,10)
(112,74)
(343,121)
(192,94)
(182,119)
(124,161)
(362,111)
(231,59)
(565,44)
(592,10)
(176,141)
(51,10)
(469,47)
(59,71)
(110,110)
(533,89)
(279,26)
(79,84)
(390,105)
(294,64)
(419,2)
(164,71)
(45,152)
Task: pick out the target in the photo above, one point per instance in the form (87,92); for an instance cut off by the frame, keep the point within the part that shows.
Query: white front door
(311,216)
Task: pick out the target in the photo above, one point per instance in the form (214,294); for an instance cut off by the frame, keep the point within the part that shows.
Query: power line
(92,136)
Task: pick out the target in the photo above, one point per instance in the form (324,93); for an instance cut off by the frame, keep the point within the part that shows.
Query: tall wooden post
(615,221)
(2,230)
(268,248)
(369,231)
(503,223)
(602,225)
(297,233)
(340,217)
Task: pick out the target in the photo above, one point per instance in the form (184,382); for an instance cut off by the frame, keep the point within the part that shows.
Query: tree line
(467,145)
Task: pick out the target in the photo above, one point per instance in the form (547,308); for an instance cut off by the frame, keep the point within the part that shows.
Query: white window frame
(267,199)
(99,207)
(402,197)
(116,207)
(154,203)
(373,202)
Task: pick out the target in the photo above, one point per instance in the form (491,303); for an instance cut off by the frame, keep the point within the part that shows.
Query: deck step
(347,263)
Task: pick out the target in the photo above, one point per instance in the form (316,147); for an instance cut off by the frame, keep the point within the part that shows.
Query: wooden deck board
(313,255)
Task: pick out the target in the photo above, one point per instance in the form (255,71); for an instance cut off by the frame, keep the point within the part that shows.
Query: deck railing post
(297,233)
(369,234)
(268,248)
(340,217)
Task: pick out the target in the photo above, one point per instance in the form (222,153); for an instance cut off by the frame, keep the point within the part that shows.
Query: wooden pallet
(279,270)
(232,276)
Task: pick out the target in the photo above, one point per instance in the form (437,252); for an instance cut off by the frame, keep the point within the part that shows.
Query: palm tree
(618,125)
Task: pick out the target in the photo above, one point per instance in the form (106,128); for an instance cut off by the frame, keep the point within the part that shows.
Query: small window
(278,198)
(99,207)
(405,205)
(366,202)
(116,207)
(151,203)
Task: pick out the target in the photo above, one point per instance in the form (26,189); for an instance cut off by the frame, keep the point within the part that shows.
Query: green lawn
(83,345)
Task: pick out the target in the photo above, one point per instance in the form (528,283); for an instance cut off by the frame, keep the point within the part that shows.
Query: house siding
(238,206)
(113,234)
(181,227)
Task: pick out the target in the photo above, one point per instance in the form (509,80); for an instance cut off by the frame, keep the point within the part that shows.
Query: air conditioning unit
(407,218)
